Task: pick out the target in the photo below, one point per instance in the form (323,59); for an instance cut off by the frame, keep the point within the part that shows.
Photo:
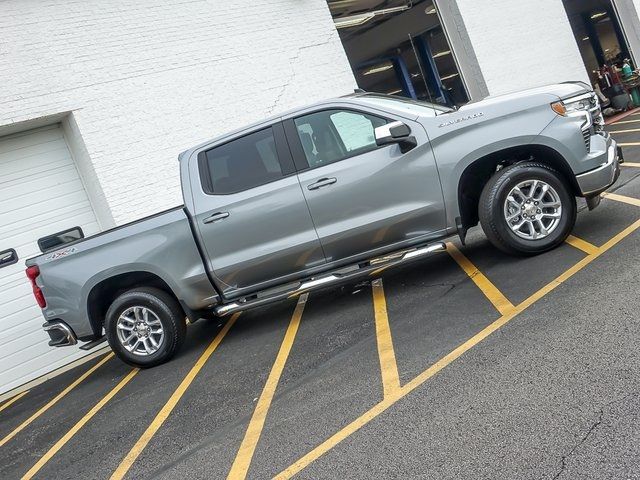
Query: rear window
(244,163)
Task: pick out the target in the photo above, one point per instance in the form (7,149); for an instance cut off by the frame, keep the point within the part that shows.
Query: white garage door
(40,194)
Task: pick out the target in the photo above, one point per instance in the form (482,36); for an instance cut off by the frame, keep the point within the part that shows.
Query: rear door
(363,197)
(250,212)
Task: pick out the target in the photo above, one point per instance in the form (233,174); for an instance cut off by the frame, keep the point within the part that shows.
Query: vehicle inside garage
(399,48)
(605,51)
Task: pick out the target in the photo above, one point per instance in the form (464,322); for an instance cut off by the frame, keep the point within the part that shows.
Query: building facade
(99,97)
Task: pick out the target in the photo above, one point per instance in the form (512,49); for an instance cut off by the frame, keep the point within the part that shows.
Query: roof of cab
(273,118)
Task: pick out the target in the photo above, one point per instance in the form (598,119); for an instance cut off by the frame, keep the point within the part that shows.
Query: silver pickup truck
(326,194)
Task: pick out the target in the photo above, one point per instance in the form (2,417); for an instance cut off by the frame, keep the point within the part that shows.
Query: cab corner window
(333,135)
(241,164)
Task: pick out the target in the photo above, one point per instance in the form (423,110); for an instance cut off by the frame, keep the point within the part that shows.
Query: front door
(252,218)
(363,197)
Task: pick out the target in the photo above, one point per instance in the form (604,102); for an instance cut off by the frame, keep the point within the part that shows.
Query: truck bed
(161,245)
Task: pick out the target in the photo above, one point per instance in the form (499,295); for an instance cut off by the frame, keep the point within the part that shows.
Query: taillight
(32,273)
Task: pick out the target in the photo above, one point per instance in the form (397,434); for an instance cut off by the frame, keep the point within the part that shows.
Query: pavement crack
(563,461)
(586,436)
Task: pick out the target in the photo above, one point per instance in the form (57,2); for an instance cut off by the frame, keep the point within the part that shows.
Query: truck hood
(558,91)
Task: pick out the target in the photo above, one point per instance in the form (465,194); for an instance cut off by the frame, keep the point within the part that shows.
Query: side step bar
(339,276)
(95,343)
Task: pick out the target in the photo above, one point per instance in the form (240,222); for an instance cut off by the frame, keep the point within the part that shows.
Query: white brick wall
(522,43)
(148,79)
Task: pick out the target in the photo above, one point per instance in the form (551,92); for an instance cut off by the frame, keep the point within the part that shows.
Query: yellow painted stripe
(13,400)
(630,164)
(168,407)
(55,399)
(630,130)
(631,144)
(625,121)
(379,270)
(495,296)
(386,353)
(379,408)
(81,423)
(622,198)
(247,448)
(586,247)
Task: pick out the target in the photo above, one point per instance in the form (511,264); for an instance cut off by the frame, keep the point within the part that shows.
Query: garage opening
(604,49)
(399,48)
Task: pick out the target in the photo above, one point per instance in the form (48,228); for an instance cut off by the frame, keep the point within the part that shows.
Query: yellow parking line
(580,244)
(247,448)
(622,198)
(13,400)
(620,122)
(379,408)
(386,353)
(168,407)
(495,296)
(629,144)
(630,164)
(81,423)
(55,399)
(630,130)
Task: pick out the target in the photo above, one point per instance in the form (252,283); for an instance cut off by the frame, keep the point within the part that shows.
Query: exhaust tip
(60,333)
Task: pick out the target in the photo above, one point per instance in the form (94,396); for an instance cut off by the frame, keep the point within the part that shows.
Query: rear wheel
(145,327)
(527,209)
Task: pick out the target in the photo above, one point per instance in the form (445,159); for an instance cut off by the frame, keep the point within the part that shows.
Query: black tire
(491,209)
(168,311)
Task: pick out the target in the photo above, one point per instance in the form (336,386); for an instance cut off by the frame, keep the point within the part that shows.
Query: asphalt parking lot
(470,364)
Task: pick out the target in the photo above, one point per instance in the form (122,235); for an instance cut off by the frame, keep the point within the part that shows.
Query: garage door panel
(46,361)
(17,304)
(19,145)
(31,160)
(45,206)
(12,277)
(36,355)
(12,292)
(43,182)
(15,325)
(38,198)
(16,330)
(36,172)
(25,249)
(41,193)
(23,343)
(69,212)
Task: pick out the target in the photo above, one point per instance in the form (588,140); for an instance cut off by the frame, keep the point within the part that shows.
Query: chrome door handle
(323,182)
(215,217)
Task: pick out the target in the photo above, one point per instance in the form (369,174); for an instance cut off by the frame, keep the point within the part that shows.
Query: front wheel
(527,209)
(145,327)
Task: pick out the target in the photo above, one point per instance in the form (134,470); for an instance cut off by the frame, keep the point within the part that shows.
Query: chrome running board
(339,276)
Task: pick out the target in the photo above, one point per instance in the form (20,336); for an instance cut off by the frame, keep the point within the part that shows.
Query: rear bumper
(595,181)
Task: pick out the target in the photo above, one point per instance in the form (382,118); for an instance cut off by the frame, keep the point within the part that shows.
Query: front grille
(587,138)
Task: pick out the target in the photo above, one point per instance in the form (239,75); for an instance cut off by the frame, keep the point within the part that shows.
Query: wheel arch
(477,173)
(103,293)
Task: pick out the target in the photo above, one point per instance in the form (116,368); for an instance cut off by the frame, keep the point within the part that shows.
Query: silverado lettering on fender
(325,194)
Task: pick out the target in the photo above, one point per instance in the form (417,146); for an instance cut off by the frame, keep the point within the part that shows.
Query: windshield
(415,107)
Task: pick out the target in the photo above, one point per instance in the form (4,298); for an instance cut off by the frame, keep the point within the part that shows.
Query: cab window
(333,135)
(241,164)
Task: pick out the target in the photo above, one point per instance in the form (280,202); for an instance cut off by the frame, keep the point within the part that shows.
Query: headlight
(576,106)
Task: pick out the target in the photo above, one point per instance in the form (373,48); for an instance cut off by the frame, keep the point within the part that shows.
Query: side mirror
(395,132)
